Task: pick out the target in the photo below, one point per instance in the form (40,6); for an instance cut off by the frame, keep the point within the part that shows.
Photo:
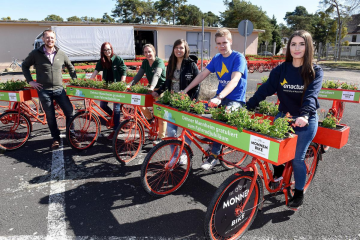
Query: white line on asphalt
(56,214)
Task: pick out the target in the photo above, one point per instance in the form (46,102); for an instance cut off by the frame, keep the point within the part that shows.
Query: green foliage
(6,18)
(139,88)
(118,86)
(88,83)
(268,108)
(74,19)
(281,127)
(134,11)
(219,113)
(181,101)
(166,97)
(189,15)
(13,85)
(299,19)
(198,107)
(211,20)
(54,18)
(331,84)
(264,79)
(237,10)
(350,86)
(131,74)
(89,70)
(329,122)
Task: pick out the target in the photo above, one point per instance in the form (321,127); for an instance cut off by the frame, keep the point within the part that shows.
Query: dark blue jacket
(286,81)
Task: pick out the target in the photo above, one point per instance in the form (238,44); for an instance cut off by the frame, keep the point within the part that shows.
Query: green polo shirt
(149,71)
(117,65)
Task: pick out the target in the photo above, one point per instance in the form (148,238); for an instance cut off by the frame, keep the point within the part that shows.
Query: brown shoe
(75,142)
(55,145)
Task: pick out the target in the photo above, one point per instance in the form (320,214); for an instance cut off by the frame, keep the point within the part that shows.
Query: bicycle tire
(233,156)
(223,211)
(86,130)
(311,162)
(15,130)
(13,66)
(159,180)
(127,141)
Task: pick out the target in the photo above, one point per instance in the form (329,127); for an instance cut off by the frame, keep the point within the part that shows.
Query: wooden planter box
(340,94)
(144,100)
(333,137)
(15,96)
(275,151)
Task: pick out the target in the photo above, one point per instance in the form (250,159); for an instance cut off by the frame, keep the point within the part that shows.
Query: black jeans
(47,98)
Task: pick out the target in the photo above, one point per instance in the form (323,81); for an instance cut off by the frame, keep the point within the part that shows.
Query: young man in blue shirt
(231,69)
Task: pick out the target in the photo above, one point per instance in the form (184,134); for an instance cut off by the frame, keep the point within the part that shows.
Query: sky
(37,10)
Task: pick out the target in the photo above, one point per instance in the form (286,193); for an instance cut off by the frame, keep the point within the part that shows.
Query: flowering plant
(331,84)
(139,88)
(329,122)
(198,107)
(165,98)
(13,85)
(181,101)
(268,108)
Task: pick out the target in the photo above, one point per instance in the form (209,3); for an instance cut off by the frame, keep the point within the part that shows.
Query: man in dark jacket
(48,61)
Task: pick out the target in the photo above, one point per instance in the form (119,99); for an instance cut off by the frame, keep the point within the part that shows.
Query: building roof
(136,25)
(353,25)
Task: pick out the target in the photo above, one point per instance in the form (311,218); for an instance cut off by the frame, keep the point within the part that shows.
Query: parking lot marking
(56,215)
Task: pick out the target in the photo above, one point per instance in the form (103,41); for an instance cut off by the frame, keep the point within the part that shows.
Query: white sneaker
(210,163)
(183,159)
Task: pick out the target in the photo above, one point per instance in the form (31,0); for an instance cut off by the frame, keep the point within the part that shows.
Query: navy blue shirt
(286,81)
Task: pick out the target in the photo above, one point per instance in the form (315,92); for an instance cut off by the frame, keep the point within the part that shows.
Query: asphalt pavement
(67,194)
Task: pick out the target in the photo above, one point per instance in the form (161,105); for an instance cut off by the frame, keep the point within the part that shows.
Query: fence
(328,53)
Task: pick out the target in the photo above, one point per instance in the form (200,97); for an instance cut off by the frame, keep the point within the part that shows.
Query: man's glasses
(106,50)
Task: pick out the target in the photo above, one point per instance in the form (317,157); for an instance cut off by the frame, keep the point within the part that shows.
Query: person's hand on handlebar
(155,94)
(301,122)
(216,101)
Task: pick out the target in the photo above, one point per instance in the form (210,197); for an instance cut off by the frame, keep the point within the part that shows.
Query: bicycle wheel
(128,110)
(15,130)
(13,66)
(128,141)
(83,130)
(231,155)
(224,218)
(157,178)
(311,162)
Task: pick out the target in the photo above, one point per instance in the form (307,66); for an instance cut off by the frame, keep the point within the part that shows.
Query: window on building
(353,38)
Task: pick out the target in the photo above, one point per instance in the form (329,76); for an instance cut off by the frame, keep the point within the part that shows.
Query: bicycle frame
(90,105)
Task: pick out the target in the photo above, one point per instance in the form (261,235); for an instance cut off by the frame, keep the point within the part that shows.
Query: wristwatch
(220,96)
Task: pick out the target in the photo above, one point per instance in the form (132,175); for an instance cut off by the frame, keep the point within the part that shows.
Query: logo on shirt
(284,82)
(223,70)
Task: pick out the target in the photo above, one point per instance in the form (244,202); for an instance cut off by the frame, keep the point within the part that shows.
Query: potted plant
(14,91)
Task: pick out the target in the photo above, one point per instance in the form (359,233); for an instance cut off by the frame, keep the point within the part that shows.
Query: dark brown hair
(173,59)
(105,63)
(307,70)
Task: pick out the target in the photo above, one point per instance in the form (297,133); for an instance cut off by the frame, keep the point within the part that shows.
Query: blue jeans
(216,147)
(171,131)
(305,137)
(46,98)
(107,109)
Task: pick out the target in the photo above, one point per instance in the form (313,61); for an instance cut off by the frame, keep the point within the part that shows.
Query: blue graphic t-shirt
(224,67)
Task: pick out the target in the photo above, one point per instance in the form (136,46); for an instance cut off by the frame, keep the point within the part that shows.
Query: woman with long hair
(297,83)
(114,70)
(181,70)
(154,68)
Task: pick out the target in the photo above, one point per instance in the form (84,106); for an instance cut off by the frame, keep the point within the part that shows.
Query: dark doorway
(143,37)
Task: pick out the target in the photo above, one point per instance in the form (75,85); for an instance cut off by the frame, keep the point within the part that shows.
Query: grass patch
(341,64)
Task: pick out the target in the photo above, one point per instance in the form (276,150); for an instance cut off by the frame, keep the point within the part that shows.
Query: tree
(146,11)
(169,9)
(324,29)
(276,35)
(211,20)
(91,19)
(284,30)
(239,10)
(189,15)
(23,19)
(125,11)
(299,19)
(74,19)
(107,18)
(6,18)
(54,18)
(343,10)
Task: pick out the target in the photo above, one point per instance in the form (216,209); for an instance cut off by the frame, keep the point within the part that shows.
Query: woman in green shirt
(114,70)
(154,68)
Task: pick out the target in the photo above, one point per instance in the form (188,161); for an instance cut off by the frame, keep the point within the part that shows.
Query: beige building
(17,38)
